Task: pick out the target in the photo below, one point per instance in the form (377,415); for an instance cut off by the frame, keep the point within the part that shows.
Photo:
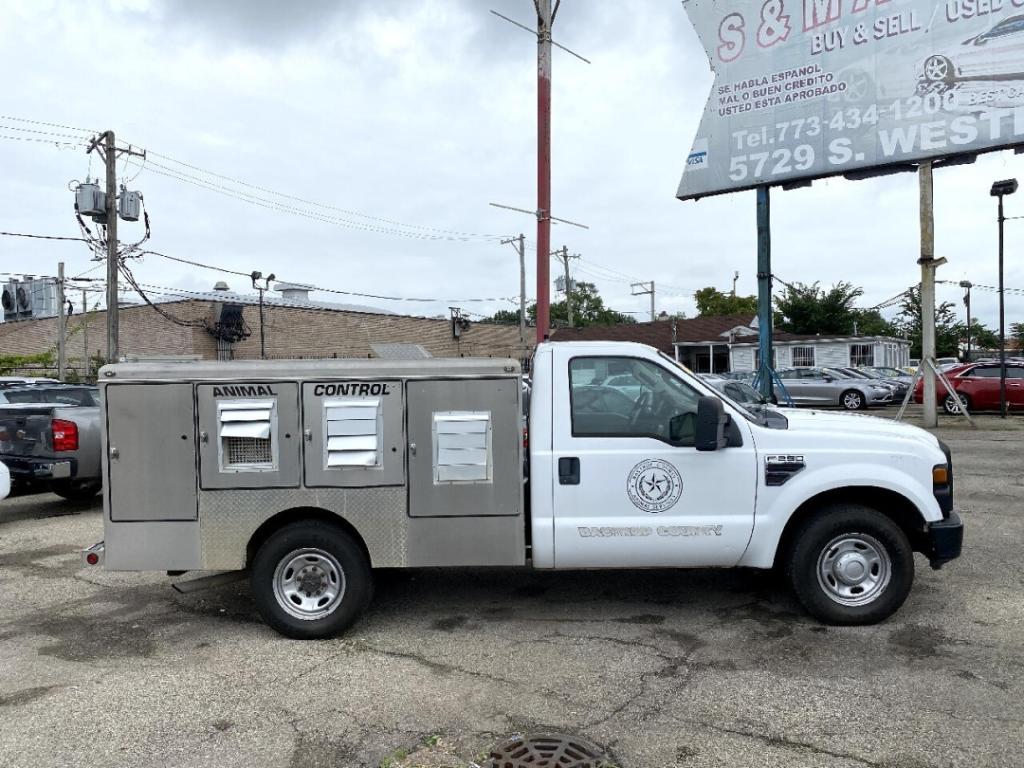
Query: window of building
(862,355)
(803,357)
(645,401)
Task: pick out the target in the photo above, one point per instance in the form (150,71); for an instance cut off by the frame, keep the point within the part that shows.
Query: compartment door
(354,433)
(151,452)
(248,435)
(465,445)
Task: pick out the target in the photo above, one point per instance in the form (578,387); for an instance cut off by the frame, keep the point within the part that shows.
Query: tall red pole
(543,169)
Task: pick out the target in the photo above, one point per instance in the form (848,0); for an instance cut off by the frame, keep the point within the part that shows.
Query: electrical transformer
(91,200)
(129,204)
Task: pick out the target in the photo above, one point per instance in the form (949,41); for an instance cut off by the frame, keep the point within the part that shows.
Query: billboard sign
(811,88)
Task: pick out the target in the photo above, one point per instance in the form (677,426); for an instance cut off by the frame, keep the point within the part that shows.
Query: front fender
(776,506)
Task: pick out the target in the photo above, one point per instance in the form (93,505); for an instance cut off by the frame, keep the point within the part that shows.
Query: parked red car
(977,386)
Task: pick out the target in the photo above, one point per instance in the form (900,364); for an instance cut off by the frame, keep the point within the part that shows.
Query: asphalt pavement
(660,668)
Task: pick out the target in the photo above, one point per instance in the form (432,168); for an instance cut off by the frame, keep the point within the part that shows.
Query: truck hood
(855,424)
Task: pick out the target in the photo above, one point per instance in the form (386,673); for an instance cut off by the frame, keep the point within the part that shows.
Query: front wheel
(852,400)
(851,565)
(938,69)
(310,580)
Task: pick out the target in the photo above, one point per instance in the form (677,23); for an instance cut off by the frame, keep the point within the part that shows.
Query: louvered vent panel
(352,432)
(462,447)
(245,433)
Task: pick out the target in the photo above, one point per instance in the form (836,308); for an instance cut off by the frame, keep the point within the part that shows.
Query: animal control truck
(309,474)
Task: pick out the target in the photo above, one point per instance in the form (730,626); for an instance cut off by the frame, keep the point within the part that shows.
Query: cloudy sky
(391,124)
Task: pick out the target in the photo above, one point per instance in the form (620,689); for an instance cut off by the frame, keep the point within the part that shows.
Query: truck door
(627,495)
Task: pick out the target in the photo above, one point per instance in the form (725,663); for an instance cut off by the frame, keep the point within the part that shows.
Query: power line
(44,237)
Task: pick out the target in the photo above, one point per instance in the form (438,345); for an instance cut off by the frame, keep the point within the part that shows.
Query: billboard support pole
(928,265)
(764,289)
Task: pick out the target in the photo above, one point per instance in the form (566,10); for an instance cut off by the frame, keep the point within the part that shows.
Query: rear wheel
(851,565)
(852,400)
(80,490)
(310,580)
(953,402)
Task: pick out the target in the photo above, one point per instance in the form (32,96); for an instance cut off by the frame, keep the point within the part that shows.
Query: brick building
(293,329)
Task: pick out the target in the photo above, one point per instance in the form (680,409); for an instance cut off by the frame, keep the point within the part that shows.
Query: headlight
(881,390)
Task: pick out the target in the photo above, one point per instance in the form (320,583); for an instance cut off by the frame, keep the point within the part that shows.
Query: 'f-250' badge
(654,485)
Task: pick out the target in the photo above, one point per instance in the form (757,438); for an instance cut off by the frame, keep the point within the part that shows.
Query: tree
(712,302)
(1016,335)
(948,331)
(812,309)
(587,309)
(982,337)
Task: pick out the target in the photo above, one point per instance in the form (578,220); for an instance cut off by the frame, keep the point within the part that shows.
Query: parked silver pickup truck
(50,439)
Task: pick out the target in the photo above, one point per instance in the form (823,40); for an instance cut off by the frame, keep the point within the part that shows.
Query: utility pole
(61,318)
(642,289)
(563,254)
(519,243)
(928,266)
(545,21)
(735,277)
(545,18)
(110,152)
(967,285)
(110,159)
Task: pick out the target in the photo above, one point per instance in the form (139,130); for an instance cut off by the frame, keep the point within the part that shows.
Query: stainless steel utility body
(421,459)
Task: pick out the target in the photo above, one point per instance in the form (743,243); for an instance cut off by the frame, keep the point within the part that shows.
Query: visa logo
(697,158)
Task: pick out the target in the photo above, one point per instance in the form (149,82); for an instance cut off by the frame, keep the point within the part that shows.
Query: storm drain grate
(546,751)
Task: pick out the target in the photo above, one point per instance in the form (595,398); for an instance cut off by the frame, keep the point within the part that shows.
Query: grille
(546,751)
(248,451)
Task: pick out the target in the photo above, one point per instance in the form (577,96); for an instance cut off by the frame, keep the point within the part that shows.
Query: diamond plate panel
(228,519)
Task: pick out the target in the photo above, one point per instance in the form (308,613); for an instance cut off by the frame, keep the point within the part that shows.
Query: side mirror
(829,379)
(712,423)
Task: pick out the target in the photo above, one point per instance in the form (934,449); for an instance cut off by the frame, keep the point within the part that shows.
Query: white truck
(309,474)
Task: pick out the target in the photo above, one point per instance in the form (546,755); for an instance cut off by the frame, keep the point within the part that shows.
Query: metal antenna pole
(643,289)
(544,21)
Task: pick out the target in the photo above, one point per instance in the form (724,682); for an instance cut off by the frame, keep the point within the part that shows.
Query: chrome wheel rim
(854,569)
(852,401)
(937,68)
(954,404)
(309,583)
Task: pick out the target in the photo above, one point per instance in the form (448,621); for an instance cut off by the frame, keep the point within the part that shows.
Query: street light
(261,288)
(1000,189)
(967,285)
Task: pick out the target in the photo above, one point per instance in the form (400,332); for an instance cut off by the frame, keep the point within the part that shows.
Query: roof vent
(220,285)
(294,292)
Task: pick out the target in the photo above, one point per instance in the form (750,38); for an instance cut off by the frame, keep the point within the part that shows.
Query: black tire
(853,400)
(78,490)
(317,544)
(951,404)
(842,527)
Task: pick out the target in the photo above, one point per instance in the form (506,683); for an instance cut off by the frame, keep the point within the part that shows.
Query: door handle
(569,470)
